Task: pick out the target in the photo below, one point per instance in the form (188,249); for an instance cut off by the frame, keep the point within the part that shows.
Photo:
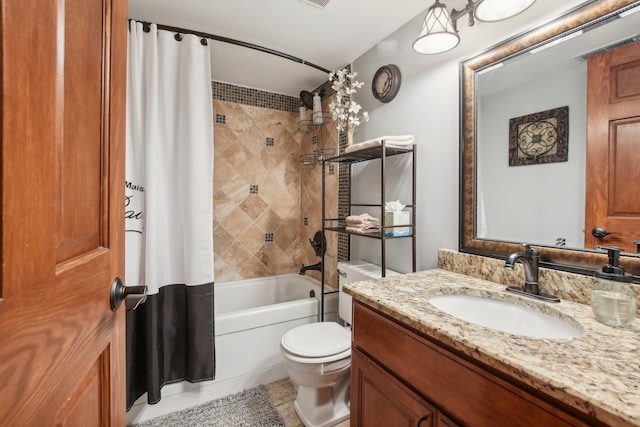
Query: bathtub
(252,315)
(250,318)
(257,303)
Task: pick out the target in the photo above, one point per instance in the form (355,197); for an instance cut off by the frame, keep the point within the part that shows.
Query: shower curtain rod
(240,43)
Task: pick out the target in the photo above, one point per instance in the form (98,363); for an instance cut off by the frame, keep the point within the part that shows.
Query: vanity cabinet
(401,374)
(384,401)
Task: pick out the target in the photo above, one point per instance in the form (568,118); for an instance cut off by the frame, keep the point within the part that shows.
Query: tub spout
(306,268)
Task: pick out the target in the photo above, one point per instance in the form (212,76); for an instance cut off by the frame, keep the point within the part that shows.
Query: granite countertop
(597,373)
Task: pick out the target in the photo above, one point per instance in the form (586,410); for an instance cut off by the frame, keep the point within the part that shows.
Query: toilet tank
(355,271)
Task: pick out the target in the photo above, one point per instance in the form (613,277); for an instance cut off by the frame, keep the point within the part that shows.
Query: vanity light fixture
(439,33)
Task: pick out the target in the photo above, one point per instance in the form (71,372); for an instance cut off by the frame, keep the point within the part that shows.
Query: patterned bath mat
(249,408)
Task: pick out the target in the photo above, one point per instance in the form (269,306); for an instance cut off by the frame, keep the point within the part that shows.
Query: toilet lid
(317,339)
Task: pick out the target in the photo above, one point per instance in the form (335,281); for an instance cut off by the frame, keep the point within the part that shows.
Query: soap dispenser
(612,297)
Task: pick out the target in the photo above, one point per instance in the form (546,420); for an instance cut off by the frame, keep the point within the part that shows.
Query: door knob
(132,296)
(600,232)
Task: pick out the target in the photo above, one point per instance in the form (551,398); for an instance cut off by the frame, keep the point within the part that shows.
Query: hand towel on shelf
(364,223)
(397,141)
(362,230)
(356,220)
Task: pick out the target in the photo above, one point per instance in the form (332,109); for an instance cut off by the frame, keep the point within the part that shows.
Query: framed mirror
(548,153)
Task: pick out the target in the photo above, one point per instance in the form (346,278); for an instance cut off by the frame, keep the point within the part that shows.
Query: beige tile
(223,171)
(252,238)
(288,234)
(282,394)
(237,256)
(238,156)
(253,268)
(235,223)
(253,205)
(273,157)
(286,207)
(288,414)
(268,220)
(237,120)
(281,391)
(285,189)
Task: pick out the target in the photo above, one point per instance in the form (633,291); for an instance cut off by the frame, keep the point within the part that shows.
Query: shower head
(307,99)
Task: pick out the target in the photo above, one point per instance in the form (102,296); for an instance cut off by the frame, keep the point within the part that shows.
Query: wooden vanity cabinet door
(443,421)
(382,400)
(454,385)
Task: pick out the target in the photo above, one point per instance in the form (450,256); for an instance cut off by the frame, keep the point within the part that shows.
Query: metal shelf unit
(329,224)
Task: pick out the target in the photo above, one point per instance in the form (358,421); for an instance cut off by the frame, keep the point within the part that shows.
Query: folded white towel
(363,223)
(397,141)
(361,230)
(355,220)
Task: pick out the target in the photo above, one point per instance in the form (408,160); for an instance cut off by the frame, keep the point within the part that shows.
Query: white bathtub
(250,318)
(256,303)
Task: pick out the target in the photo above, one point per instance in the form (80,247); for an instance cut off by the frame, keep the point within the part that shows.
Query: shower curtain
(169,210)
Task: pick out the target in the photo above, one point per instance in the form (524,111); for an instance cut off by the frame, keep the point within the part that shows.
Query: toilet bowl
(317,356)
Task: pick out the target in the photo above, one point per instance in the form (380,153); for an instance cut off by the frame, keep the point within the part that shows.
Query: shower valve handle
(132,296)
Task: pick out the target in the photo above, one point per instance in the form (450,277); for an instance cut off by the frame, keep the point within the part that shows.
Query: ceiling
(330,37)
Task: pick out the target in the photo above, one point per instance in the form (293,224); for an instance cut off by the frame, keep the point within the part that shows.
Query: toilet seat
(317,342)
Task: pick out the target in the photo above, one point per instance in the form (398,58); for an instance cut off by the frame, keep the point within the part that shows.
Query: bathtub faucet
(306,268)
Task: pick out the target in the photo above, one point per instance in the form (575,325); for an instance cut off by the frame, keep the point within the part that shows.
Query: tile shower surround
(266,205)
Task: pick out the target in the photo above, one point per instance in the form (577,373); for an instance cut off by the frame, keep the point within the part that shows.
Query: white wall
(533,203)
(427,106)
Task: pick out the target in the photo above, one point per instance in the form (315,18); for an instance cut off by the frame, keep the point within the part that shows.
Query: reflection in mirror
(546,200)
(524,141)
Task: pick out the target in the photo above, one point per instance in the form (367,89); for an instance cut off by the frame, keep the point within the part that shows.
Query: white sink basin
(504,316)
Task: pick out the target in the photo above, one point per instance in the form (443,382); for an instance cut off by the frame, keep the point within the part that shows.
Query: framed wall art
(539,138)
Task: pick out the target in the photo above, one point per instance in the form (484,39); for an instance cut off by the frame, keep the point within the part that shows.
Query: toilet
(317,356)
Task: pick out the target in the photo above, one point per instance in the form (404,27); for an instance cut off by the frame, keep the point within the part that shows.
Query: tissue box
(397,218)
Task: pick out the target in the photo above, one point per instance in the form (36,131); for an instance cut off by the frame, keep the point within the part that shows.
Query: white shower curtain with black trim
(169,210)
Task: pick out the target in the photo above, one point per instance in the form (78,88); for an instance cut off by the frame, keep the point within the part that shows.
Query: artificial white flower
(343,110)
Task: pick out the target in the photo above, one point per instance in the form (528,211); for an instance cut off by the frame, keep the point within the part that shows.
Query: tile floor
(282,394)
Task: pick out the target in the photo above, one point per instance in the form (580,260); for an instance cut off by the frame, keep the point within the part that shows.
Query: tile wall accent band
(259,98)
(344,199)
(254,97)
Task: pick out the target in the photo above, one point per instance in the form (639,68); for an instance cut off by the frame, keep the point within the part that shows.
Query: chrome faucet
(529,260)
(306,268)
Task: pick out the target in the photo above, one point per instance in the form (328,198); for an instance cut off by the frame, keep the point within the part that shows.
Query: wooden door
(62,348)
(378,399)
(613,148)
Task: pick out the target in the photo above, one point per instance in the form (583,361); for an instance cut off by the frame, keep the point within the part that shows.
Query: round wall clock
(386,83)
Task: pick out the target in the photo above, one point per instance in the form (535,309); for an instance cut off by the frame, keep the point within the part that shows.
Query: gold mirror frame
(582,261)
